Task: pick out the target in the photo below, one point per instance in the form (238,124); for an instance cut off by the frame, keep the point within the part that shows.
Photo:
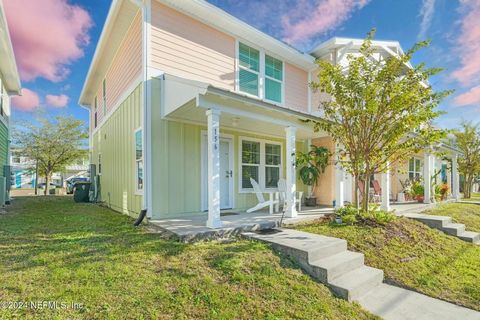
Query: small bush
(380,217)
(349,219)
(347,211)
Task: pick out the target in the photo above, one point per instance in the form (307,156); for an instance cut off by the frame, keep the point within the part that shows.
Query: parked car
(71,183)
(51,185)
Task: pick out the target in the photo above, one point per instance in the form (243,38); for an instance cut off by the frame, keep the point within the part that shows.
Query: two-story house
(9,85)
(187,103)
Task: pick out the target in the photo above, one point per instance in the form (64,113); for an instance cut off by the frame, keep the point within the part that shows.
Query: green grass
(416,257)
(468,214)
(475,197)
(52,249)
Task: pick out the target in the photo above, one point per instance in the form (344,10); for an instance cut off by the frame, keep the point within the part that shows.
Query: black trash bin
(80,192)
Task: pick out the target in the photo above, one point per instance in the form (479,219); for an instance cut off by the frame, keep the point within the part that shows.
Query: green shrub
(349,219)
(347,211)
(379,217)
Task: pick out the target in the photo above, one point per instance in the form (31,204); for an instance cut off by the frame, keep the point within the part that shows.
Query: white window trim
(415,169)
(261,74)
(261,166)
(135,161)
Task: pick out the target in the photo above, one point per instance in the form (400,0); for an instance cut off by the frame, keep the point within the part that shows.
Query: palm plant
(311,165)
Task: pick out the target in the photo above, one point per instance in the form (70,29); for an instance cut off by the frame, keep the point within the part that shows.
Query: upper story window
(259,74)
(104,93)
(95,113)
(273,79)
(249,69)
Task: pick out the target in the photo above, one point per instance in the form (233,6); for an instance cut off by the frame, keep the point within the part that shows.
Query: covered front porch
(240,138)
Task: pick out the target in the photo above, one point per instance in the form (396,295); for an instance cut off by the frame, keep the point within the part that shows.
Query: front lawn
(52,249)
(416,257)
(468,214)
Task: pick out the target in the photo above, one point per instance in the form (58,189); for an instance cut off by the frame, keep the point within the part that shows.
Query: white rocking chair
(282,189)
(262,203)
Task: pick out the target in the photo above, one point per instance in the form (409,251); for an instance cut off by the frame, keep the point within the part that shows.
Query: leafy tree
(380,112)
(53,144)
(468,141)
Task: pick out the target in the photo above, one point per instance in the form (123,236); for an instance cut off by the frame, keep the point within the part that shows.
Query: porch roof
(187,100)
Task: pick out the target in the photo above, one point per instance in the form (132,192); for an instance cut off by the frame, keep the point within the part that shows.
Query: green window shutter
(248,82)
(273,90)
(273,68)
(249,57)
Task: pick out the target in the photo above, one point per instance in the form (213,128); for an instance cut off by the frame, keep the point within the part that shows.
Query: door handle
(229,174)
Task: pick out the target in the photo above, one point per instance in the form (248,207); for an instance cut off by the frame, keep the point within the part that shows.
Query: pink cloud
(470,97)
(28,101)
(57,101)
(47,36)
(310,20)
(468,43)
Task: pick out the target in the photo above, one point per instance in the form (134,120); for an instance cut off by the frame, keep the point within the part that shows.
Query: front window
(138,160)
(261,161)
(415,167)
(95,114)
(250,162)
(99,164)
(249,65)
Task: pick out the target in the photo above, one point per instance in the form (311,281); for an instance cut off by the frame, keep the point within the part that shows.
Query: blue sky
(406,21)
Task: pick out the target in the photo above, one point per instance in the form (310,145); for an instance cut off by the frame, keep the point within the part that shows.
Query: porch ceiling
(239,113)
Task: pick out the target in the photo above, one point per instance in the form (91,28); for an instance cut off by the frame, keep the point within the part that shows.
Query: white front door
(226,173)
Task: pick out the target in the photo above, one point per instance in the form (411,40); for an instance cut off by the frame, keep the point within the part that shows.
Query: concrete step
(437,222)
(303,246)
(454,229)
(327,269)
(470,236)
(353,284)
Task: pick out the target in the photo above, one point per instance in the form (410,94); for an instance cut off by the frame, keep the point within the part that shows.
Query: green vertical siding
(3,147)
(115,141)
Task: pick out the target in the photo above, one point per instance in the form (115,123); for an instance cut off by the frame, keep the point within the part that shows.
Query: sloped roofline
(8,65)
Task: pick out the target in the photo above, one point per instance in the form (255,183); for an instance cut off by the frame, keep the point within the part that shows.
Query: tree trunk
(46,185)
(356,197)
(366,192)
(36,177)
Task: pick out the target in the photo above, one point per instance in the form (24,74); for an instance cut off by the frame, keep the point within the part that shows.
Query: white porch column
(385,184)
(290,210)
(213,143)
(339,185)
(455,178)
(427,174)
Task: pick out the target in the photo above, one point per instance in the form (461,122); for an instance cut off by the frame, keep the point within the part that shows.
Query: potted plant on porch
(418,191)
(311,165)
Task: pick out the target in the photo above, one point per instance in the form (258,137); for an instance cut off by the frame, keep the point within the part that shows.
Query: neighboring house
(187,103)
(23,171)
(9,85)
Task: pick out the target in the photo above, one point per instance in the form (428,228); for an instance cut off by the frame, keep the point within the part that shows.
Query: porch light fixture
(235,122)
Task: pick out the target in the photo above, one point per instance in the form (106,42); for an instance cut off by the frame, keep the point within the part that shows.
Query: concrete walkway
(328,260)
(446,225)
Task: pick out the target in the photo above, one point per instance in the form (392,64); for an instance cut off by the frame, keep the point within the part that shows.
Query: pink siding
(188,48)
(125,68)
(296,88)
